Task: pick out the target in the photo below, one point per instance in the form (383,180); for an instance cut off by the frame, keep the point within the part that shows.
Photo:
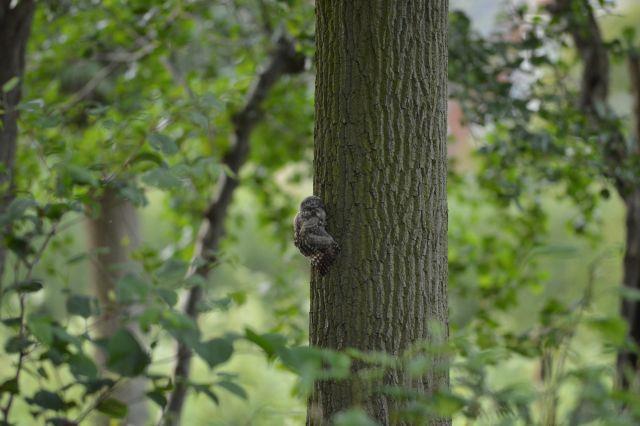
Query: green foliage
(137,98)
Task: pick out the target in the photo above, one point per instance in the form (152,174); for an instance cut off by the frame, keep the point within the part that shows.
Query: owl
(311,237)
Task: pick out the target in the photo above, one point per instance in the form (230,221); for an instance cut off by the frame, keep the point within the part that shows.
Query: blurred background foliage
(138,97)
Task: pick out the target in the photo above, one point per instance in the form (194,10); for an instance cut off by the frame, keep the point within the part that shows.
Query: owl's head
(311,203)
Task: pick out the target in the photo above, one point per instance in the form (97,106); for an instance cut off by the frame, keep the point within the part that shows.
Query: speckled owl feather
(311,237)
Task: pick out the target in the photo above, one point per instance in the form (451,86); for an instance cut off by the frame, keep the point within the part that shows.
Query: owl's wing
(318,238)
(299,231)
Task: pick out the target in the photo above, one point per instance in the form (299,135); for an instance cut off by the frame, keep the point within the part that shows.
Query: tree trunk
(380,167)
(628,358)
(15,27)
(283,60)
(115,232)
(584,29)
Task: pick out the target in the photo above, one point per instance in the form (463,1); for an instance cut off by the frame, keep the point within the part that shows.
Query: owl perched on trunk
(311,237)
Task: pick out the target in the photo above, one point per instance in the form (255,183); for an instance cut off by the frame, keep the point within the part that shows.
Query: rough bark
(15,27)
(283,60)
(115,232)
(380,167)
(584,30)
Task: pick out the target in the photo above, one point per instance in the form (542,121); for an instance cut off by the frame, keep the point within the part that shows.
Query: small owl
(311,237)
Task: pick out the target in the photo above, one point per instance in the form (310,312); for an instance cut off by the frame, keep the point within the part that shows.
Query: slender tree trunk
(583,27)
(630,308)
(380,167)
(15,27)
(628,358)
(115,232)
(283,60)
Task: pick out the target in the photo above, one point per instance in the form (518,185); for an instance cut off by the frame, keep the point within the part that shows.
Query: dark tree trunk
(587,37)
(628,358)
(630,308)
(380,167)
(115,232)
(284,60)
(15,27)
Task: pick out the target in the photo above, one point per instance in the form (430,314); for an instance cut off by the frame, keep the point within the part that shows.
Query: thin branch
(102,397)
(282,61)
(6,411)
(266,18)
(587,38)
(105,72)
(634,76)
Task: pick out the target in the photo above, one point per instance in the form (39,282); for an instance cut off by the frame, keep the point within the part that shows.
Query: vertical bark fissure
(380,167)
(283,60)
(15,27)
(115,232)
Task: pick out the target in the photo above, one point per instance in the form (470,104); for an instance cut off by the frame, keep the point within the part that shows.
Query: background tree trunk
(380,167)
(630,308)
(591,47)
(115,232)
(15,27)
(628,358)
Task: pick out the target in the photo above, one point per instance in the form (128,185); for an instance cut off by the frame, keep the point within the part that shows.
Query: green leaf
(10,84)
(131,289)
(150,316)
(630,293)
(215,351)
(125,356)
(147,156)
(47,400)
(234,388)
(81,305)
(161,178)
(353,417)
(27,286)
(271,343)
(613,330)
(17,344)
(32,105)
(94,385)
(206,389)
(9,386)
(16,210)
(170,297)
(80,175)
(41,328)
(171,271)
(447,404)
(157,397)
(199,119)
(112,408)
(163,143)
(181,327)
(82,366)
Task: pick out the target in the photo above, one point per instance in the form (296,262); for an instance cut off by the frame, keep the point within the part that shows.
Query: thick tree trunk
(115,232)
(380,167)
(15,27)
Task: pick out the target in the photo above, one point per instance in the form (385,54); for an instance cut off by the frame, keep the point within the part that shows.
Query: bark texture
(115,232)
(380,167)
(15,27)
